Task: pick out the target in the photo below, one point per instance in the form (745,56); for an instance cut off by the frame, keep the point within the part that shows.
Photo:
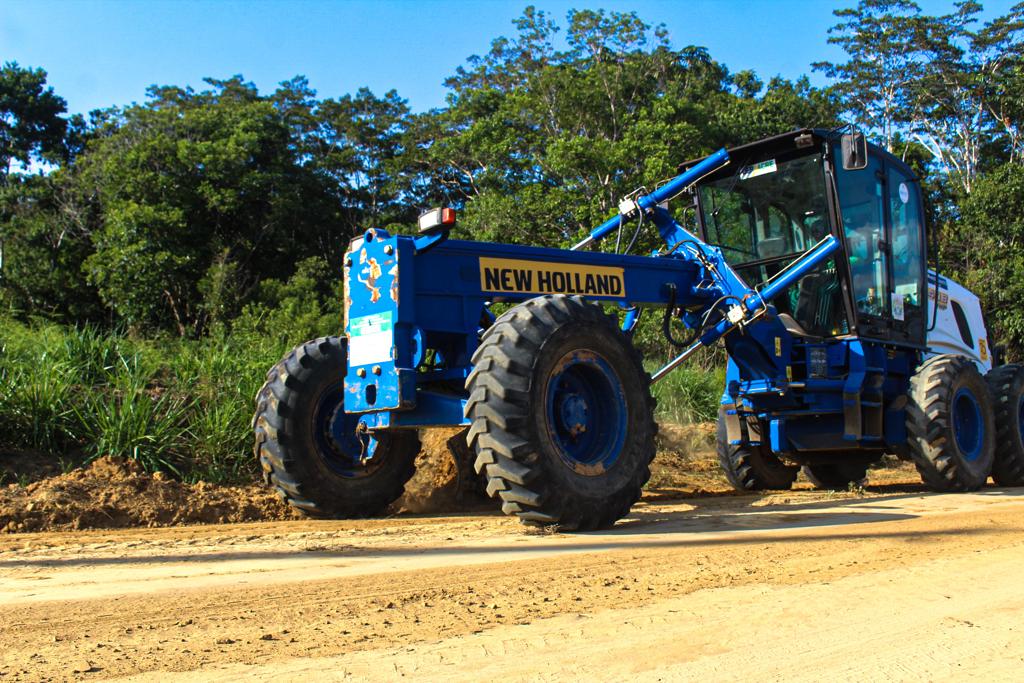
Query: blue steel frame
(415,306)
(818,399)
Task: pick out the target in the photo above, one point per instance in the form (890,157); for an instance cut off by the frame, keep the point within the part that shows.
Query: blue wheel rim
(586,412)
(968,426)
(334,436)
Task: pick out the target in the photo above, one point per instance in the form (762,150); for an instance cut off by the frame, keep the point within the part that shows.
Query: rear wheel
(750,467)
(561,414)
(307,444)
(1007,385)
(836,476)
(950,424)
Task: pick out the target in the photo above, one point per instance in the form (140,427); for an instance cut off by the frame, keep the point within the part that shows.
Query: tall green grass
(690,394)
(184,406)
(173,405)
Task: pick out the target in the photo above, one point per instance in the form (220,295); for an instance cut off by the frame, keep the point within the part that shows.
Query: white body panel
(959,324)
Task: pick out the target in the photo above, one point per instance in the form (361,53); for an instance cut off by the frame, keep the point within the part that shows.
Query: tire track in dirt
(390,584)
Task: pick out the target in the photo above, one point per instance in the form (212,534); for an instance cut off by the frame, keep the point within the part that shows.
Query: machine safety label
(897,306)
(370,338)
(539,277)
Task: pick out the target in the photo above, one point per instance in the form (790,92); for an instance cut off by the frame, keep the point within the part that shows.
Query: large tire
(749,467)
(562,418)
(310,458)
(836,476)
(1007,385)
(950,424)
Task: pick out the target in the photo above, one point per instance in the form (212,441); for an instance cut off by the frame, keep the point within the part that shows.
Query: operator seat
(806,308)
(792,326)
(816,302)
(771,247)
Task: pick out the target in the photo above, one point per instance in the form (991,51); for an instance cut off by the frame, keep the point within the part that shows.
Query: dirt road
(807,586)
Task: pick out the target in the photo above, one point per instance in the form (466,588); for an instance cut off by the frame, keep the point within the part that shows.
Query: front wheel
(307,444)
(748,466)
(562,418)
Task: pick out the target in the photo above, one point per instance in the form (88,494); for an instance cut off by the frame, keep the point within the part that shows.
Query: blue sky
(102,53)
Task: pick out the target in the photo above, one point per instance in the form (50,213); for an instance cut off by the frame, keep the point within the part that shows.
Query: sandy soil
(111,494)
(892,584)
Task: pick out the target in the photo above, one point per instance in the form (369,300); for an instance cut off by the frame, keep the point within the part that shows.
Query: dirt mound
(686,463)
(112,493)
(444,479)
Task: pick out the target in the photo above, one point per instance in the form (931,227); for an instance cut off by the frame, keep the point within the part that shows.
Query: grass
(134,418)
(689,394)
(183,406)
(174,405)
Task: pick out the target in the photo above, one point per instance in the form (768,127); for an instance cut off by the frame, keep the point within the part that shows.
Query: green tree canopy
(202,194)
(31,125)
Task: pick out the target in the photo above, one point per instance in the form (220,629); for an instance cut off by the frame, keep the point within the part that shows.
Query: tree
(202,195)
(31,126)
(960,100)
(539,145)
(986,246)
(934,80)
(182,211)
(31,129)
(878,37)
(45,242)
(360,143)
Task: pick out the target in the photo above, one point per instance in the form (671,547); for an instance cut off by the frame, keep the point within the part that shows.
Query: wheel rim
(586,412)
(334,435)
(968,426)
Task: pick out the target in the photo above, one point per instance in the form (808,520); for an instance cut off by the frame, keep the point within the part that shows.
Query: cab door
(908,256)
(863,212)
(883,230)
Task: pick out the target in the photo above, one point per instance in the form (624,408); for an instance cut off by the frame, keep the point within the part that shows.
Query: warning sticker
(897,306)
(370,338)
(538,277)
(763,168)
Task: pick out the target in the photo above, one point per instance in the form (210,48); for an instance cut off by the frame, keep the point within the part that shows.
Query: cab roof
(783,143)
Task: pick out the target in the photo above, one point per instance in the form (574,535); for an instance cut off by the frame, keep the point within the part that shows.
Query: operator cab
(782,195)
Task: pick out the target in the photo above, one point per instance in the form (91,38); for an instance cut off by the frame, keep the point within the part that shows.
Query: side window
(863,209)
(773,242)
(962,325)
(907,250)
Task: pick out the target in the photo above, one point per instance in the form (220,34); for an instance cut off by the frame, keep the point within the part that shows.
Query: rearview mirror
(855,151)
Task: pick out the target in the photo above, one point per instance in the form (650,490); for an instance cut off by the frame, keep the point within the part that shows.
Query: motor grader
(807,260)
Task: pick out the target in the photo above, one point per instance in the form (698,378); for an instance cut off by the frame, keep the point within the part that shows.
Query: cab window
(770,209)
(862,205)
(907,251)
(763,217)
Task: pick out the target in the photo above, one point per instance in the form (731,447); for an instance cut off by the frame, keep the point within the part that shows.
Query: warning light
(437,219)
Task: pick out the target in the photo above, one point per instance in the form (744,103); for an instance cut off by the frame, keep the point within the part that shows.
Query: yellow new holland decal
(539,277)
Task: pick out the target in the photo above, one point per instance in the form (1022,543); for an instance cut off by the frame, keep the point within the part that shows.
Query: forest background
(156,259)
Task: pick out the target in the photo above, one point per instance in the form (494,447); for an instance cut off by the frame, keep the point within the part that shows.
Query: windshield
(770,209)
